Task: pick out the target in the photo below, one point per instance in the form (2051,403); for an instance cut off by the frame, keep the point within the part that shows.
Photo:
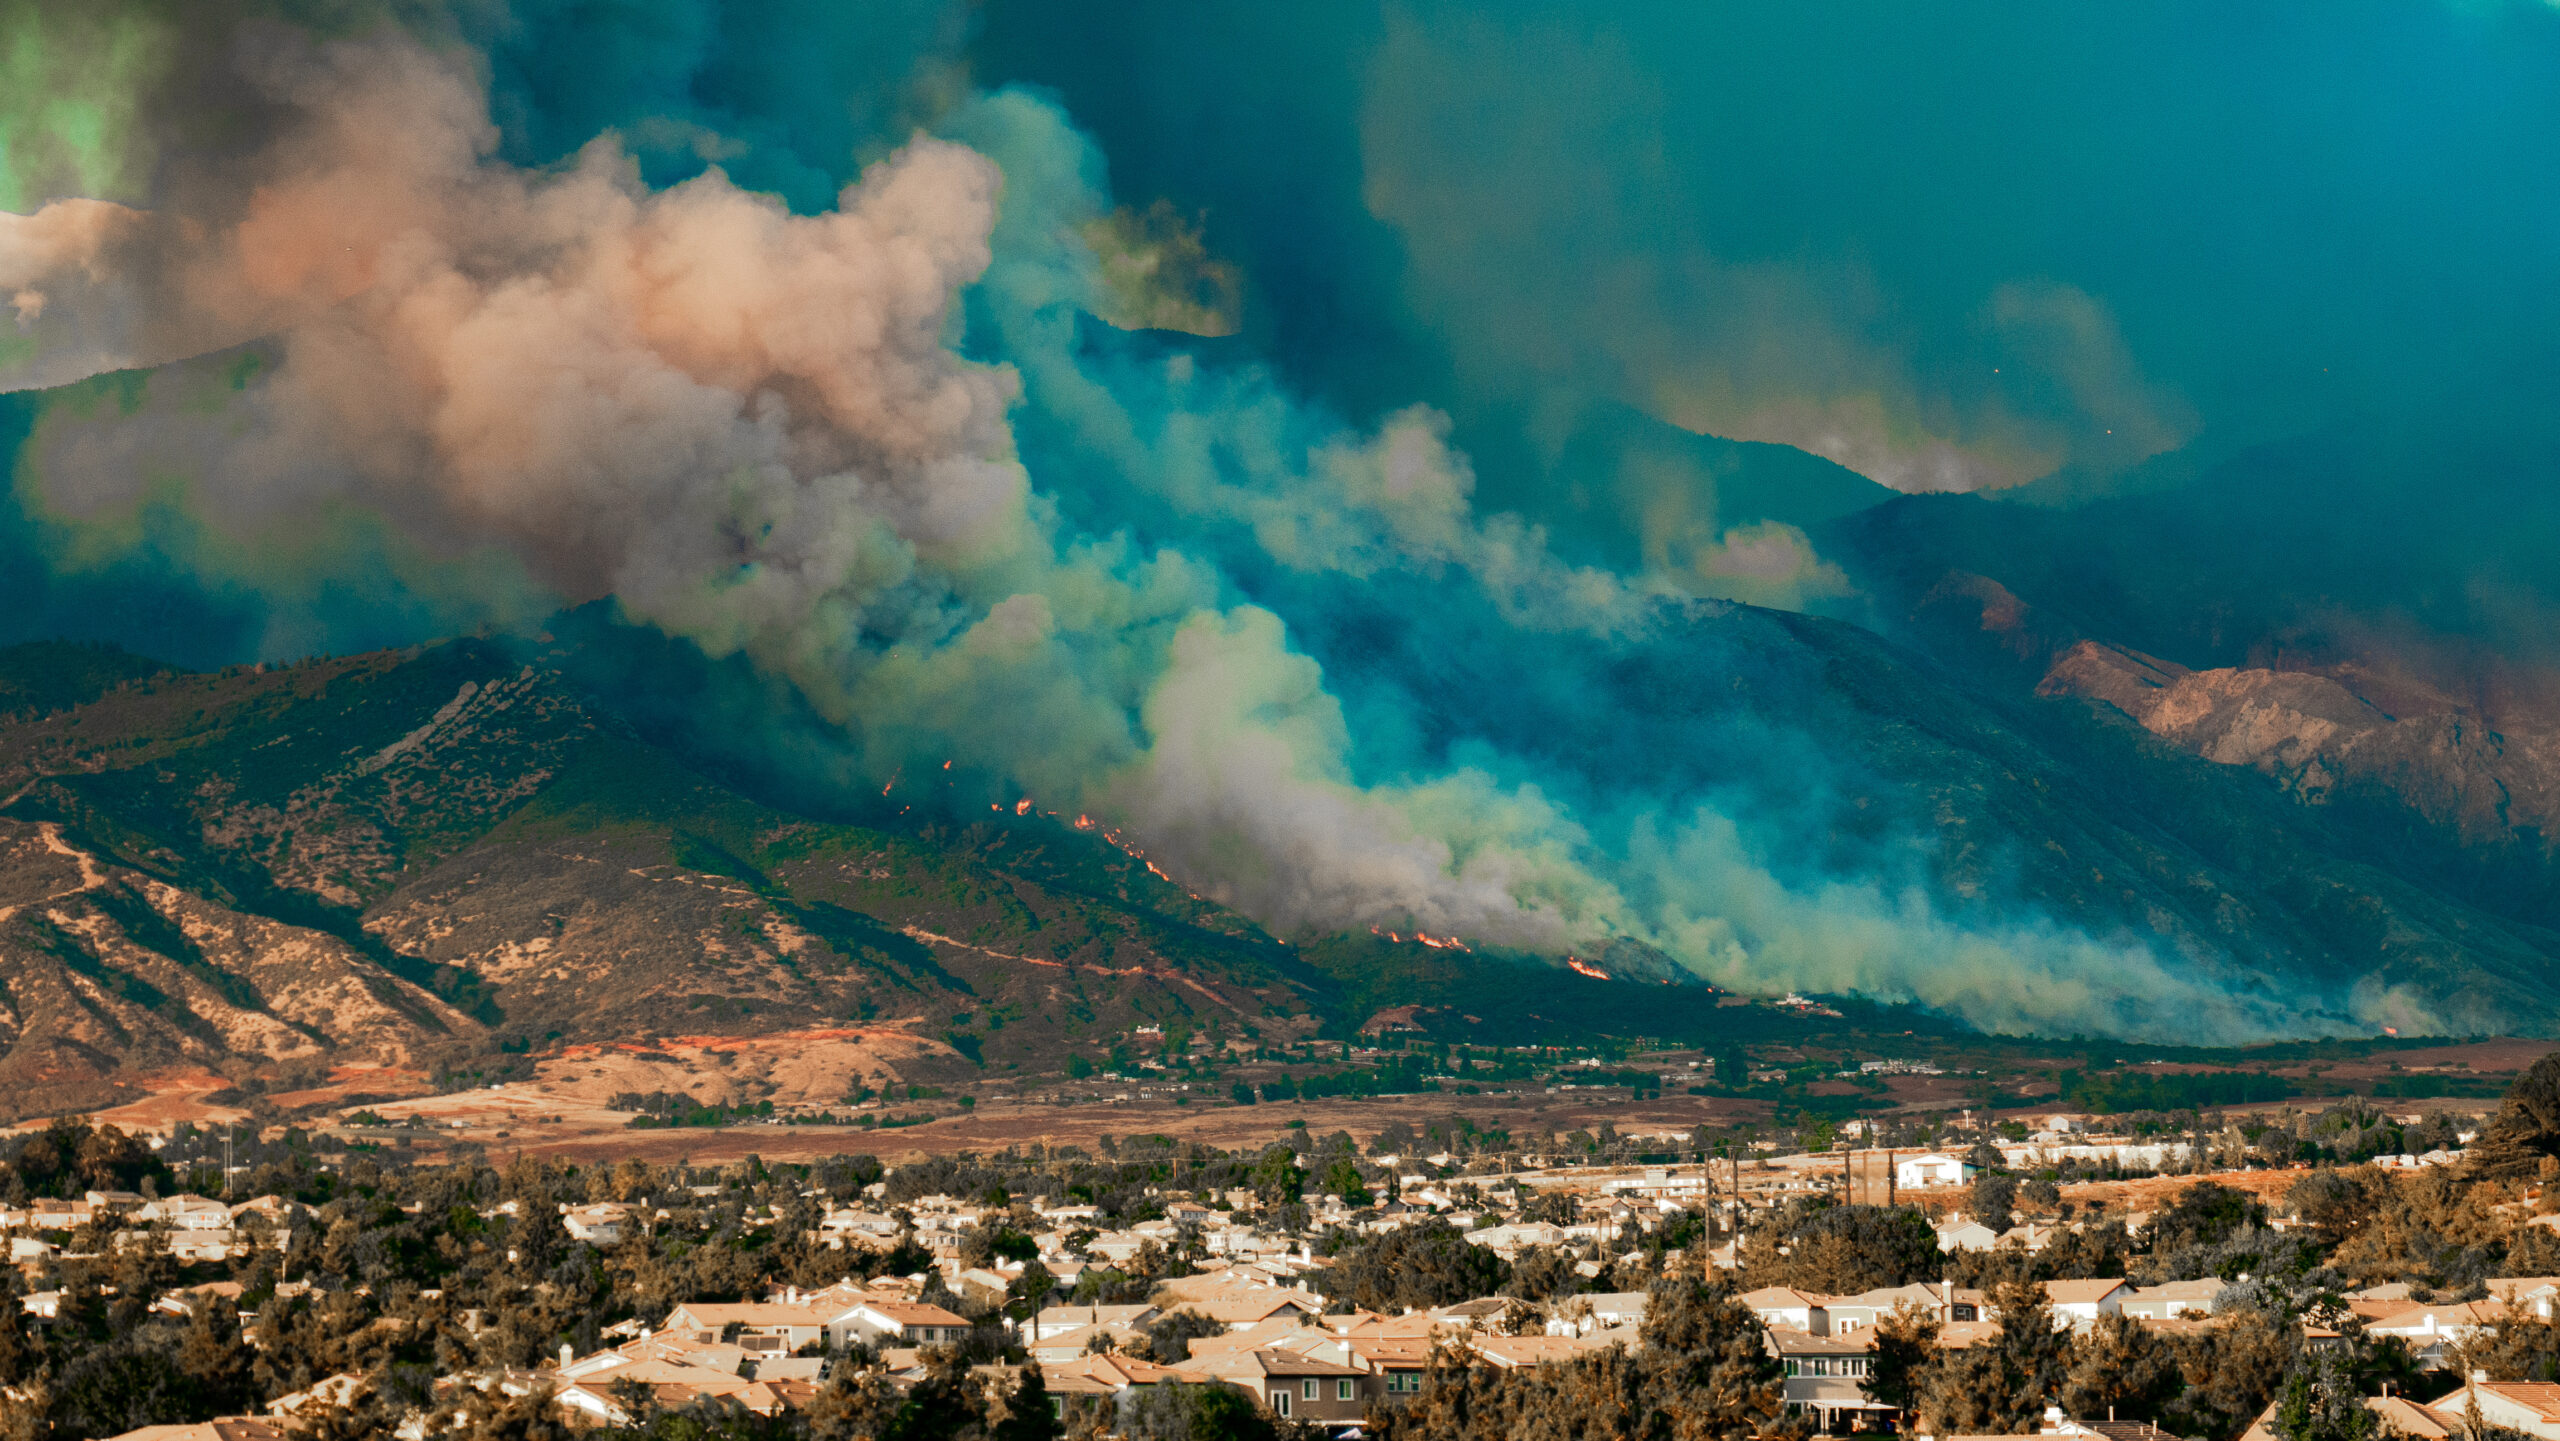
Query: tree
(1420,1266)
(2513,1347)
(2119,1369)
(1542,1274)
(1703,1374)
(1704,1371)
(1842,1250)
(123,1386)
(1342,1178)
(1276,1176)
(1027,1414)
(2001,1386)
(2205,1214)
(1906,1344)
(2319,1402)
(1169,1337)
(2526,1128)
(1992,1200)
(2335,1204)
(1176,1412)
(2232,1372)
(215,1358)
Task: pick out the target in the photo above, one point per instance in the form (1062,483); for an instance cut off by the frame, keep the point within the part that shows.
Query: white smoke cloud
(752,429)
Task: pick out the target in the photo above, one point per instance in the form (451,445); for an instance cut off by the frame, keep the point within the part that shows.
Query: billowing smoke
(384,354)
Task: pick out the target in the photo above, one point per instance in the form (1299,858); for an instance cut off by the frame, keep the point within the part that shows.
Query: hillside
(441,858)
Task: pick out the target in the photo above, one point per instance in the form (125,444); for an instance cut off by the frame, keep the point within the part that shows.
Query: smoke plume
(386,351)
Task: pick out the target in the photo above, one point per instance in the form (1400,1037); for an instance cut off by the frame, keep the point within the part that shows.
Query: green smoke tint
(72,83)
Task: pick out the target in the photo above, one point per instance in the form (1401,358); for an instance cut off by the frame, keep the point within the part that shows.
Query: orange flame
(1586,969)
(1022,807)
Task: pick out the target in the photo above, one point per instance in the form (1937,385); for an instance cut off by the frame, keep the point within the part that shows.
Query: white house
(601,1224)
(1786,1306)
(186,1213)
(2079,1304)
(2173,1299)
(905,1323)
(1961,1234)
(1058,1320)
(2528,1406)
(1917,1173)
(2433,1331)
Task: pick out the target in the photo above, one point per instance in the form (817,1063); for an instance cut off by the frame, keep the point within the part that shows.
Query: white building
(1918,1173)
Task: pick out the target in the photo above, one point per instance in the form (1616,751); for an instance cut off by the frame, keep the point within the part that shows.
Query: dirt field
(792,1069)
(173,1098)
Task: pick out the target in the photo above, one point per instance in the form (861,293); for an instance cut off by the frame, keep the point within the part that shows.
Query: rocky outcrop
(2323,734)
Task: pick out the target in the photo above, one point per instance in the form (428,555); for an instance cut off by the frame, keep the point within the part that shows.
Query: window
(1342,1389)
(1794,1366)
(1403,1382)
(1311,1390)
(1280,1402)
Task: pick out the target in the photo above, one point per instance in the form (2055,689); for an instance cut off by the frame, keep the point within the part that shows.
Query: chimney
(566,1356)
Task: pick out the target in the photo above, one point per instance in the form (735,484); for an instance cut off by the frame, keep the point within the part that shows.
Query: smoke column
(378,354)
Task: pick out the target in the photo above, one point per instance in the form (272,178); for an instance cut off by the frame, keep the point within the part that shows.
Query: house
(601,1224)
(904,1323)
(1785,1306)
(2079,1304)
(220,1428)
(1962,1234)
(186,1213)
(1088,1382)
(2433,1331)
(187,1301)
(342,1390)
(2029,1235)
(2173,1299)
(1508,1352)
(1940,1302)
(1242,1306)
(1395,1363)
(838,1227)
(1293,1385)
(1068,1345)
(1826,1378)
(2527,1295)
(672,1384)
(760,1327)
(1917,1173)
(2532,1407)
(47,1214)
(1056,1320)
(2399,1415)
(1599,1311)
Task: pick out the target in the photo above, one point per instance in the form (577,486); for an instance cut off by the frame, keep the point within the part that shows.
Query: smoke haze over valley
(2043,522)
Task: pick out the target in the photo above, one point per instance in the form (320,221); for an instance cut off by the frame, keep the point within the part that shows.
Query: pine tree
(1027,1415)
(1906,1346)
(2120,1370)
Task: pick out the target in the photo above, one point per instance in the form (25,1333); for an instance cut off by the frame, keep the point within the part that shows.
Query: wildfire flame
(1437,943)
(1585,968)
(1022,807)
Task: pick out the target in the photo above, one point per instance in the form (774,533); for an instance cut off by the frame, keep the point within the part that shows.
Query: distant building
(1918,1173)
